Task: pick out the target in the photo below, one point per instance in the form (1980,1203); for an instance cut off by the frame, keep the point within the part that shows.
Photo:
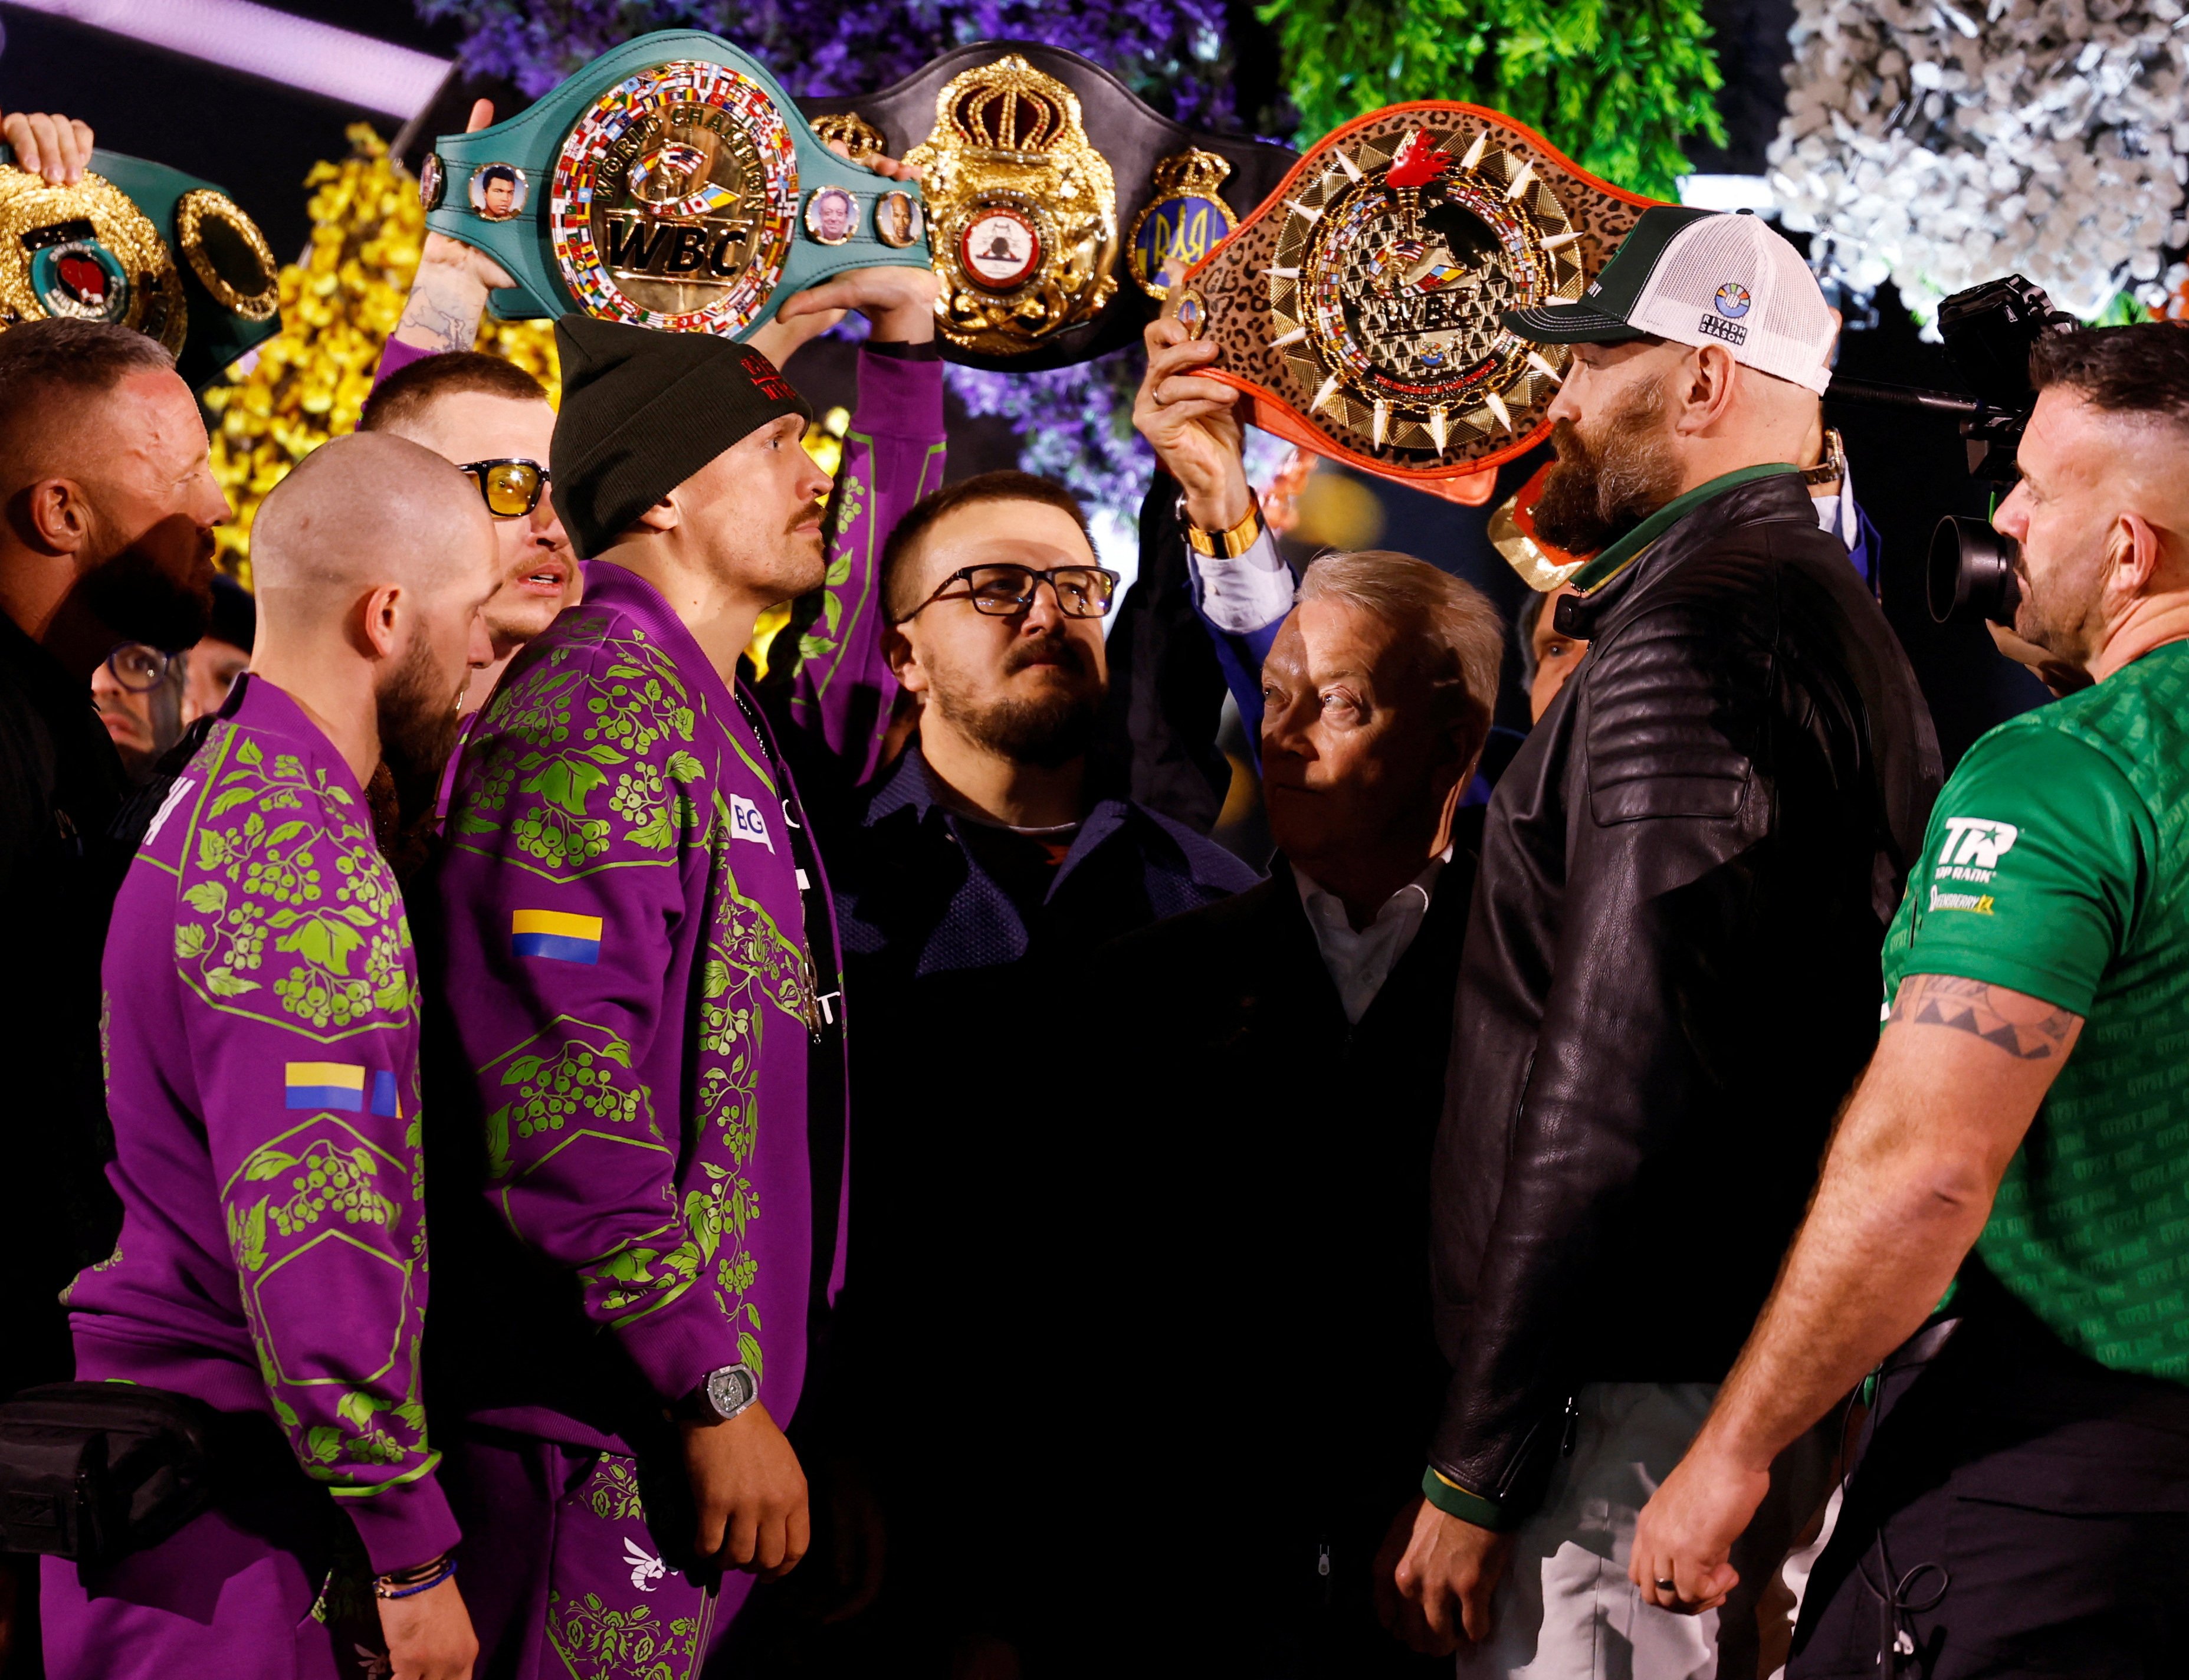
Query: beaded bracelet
(421,1578)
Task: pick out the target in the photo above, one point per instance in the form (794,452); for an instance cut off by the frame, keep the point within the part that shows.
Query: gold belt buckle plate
(1360,307)
(1021,209)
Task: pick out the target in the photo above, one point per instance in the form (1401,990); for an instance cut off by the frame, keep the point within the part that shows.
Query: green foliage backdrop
(1618,85)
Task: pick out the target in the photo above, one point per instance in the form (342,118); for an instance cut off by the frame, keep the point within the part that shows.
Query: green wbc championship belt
(143,247)
(670,184)
(1361,307)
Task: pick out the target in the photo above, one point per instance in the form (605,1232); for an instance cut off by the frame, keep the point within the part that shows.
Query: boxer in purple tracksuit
(637,947)
(261,1031)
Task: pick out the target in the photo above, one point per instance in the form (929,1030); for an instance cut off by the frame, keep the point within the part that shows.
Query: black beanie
(642,411)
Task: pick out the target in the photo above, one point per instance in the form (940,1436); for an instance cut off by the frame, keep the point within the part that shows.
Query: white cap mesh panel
(1731,281)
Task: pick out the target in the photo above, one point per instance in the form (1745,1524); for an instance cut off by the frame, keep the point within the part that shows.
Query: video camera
(1989,332)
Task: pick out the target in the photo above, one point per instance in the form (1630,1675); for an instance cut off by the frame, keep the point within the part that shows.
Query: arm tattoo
(435,323)
(2021,1025)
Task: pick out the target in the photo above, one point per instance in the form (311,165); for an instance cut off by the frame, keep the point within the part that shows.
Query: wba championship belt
(142,246)
(1057,197)
(1359,307)
(671,184)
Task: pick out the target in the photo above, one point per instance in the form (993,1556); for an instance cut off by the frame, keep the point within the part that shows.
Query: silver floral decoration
(1942,143)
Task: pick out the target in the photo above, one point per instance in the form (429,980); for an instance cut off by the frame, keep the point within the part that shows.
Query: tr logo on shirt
(747,822)
(1973,847)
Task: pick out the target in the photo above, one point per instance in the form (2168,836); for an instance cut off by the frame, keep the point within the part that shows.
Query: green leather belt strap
(670,184)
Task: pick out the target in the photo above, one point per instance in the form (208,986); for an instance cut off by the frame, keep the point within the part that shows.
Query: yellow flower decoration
(309,382)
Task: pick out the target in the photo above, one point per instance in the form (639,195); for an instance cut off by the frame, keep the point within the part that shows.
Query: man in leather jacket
(1670,975)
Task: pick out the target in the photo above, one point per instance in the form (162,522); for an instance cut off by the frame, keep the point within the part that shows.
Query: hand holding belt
(1056,197)
(671,183)
(1359,307)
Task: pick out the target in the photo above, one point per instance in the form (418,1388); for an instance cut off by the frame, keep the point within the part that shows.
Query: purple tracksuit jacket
(262,1052)
(628,963)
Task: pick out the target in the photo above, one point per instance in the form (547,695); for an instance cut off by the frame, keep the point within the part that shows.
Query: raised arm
(448,293)
(1192,424)
(842,690)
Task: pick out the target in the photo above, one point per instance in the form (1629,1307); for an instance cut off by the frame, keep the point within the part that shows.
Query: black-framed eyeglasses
(512,487)
(138,667)
(1081,592)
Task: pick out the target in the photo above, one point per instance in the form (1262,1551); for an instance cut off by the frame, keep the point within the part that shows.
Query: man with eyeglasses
(494,421)
(104,458)
(972,879)
(138,693)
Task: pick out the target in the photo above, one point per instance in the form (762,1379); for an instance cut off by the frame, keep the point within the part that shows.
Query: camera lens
(1971,573)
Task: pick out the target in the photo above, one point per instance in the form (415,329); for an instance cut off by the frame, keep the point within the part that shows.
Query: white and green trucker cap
(1701,277)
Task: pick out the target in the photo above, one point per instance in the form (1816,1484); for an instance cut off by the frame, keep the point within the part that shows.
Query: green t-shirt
(2057,864)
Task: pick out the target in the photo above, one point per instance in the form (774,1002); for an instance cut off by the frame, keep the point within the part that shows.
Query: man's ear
(376,626)
(2133,553)
(903,662)
(1703,389)
(661,517)
(57,516)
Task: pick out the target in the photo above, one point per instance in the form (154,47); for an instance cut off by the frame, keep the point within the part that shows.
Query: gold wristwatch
(1230,544)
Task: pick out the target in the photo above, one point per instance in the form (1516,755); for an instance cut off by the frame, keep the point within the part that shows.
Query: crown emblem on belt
(1023,210)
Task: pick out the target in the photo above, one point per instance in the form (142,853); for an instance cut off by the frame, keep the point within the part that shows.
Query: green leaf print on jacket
(287,911)
(603,725)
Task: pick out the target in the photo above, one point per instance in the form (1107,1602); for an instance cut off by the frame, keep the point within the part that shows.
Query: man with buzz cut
(2000,1233)
(1670,972)
(261,1025)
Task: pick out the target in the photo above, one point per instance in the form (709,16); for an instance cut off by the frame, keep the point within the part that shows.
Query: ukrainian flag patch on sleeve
(325,1084)
(555,934)
(387,1100)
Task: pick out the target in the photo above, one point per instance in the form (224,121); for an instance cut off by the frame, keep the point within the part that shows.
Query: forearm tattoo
(438,323)
(2019,1025)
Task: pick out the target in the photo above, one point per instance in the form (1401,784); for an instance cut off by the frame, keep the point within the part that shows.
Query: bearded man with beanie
(636,944)
(1669,981)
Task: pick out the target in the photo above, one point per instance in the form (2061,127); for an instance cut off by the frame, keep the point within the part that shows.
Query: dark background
(258,139)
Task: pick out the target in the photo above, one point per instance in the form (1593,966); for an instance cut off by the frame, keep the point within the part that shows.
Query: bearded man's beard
(1603,488)
(2067,617)
(418,725)
(1048,730)
(158,590)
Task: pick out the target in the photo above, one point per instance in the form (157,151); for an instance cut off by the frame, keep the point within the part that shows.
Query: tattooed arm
(448,293)
(1908,1183)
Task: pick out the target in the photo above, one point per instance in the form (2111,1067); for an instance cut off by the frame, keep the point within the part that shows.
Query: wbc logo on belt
(672,198)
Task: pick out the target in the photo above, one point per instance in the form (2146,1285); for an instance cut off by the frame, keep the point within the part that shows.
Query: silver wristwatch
(729,1391)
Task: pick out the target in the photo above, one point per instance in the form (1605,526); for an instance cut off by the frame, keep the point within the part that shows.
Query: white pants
(1565,1609)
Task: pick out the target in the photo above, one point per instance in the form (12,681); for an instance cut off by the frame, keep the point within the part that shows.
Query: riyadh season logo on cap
(1732,300)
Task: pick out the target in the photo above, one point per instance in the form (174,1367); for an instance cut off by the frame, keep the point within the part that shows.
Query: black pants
(2017,1509)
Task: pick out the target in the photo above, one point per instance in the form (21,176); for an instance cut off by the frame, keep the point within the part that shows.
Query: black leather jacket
(1671,979)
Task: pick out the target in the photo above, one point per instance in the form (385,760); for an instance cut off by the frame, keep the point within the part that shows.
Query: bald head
(372,560)
(360,513)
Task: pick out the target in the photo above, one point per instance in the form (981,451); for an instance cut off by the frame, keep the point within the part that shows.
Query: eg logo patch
(1973,847)
(1732,300)
(747,824)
